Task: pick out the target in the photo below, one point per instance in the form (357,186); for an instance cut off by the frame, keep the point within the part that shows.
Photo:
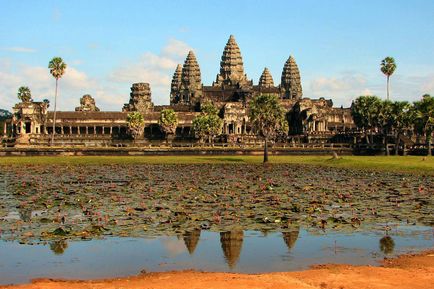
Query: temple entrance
(28,126)
(231,128)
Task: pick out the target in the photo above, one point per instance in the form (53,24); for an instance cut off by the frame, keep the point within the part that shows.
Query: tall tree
(57,69)
(365,111)
(136,124)
(424,110)
(24,94)
(268,118)
(207,123)
(388,67)
(168,122)
(401,119)
(384,122)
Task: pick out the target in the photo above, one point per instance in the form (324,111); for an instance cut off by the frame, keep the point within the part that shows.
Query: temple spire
(266,80)
(291,81)
(231,65)
(176,84)
(190,75)
(191,84)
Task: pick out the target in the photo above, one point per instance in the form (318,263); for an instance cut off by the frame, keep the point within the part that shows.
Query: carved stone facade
(230,93)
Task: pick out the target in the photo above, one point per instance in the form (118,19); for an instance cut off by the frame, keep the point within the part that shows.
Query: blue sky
(108,45)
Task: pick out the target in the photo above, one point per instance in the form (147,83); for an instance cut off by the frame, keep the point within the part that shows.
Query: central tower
(231,66)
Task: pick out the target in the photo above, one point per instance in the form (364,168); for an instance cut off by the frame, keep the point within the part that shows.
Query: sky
(108,45)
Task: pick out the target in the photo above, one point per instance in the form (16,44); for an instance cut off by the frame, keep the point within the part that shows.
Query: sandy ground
(408,271)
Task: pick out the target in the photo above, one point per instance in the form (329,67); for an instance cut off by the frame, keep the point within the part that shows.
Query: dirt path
(404,272)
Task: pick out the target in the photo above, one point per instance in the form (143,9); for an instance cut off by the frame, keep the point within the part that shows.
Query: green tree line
(374,116)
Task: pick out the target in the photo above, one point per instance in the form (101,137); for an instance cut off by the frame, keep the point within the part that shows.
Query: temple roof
(266,80)
(291,81)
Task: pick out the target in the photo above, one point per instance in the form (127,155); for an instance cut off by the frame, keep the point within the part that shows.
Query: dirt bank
(408,271)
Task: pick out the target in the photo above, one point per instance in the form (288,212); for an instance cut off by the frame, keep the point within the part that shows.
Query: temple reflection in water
(232,243)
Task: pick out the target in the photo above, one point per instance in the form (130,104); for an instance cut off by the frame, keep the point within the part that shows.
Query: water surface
(236,251)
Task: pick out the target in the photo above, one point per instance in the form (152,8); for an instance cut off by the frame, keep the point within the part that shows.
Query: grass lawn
(415,164)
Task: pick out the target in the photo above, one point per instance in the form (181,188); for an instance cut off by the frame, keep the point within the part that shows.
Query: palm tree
(24,94)
(268,118)
(388,67)
(57,69)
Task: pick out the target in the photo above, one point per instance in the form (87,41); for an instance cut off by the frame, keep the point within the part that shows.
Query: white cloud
(19,49)
(72,85)
(110,91)
(175,48)
(155,69)
(344,88)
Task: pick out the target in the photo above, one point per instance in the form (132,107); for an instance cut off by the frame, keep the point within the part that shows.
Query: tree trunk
(266,151)
(388,87)
(367,137)
(386,145)
(54,115)
(397,136)
(428,141)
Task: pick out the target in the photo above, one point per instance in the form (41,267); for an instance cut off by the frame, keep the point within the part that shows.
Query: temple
(310,120)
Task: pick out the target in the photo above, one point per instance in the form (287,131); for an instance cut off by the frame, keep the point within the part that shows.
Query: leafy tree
(208,123)
(168,121)
(24,94)
(5,114)
(268,118)
(401,119)
(424,114)
(384,122)
(136,124)
(365,111)
(388,67)
(57,69)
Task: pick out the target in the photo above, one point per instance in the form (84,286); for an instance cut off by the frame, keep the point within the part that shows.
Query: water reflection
(59,246)
(387,245)
(232,243)
(290,238)
(191,239)
(243,251)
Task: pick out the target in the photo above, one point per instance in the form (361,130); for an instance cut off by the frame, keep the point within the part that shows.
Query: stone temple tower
(266,80)
(231,66)
(291,82)
(190,90)
(176,85)
(140,98)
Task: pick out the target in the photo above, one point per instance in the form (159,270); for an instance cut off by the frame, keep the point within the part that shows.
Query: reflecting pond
(94,221)
(236,251)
